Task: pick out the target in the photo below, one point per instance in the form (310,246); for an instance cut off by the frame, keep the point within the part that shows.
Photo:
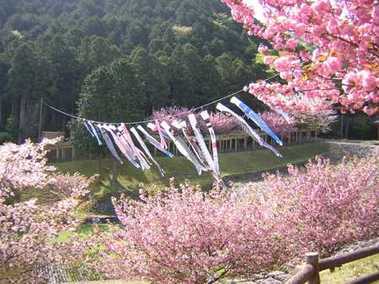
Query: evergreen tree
(20,85)
(152,75)
(97,51)
(4,67)
(66,76)
(110,93)
(183,52)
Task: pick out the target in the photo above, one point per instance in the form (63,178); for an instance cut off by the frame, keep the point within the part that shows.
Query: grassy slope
(231,164)
(352,270)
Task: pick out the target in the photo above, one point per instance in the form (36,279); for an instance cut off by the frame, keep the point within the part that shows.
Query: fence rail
(310,270)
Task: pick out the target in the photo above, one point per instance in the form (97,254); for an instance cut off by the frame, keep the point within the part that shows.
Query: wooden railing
(310,270)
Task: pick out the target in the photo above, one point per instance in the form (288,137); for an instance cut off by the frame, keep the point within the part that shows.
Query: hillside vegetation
(165,52)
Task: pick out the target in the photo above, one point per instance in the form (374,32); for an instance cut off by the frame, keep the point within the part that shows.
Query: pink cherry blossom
(322,45)
(278,123)
(28,228)
(183,235)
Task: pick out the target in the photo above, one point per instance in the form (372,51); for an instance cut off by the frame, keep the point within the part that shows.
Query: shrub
(326,206)
(5,137)
(186,236)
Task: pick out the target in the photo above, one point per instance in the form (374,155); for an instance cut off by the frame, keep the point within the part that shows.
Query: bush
(186,236)
(5,137)
(326,206)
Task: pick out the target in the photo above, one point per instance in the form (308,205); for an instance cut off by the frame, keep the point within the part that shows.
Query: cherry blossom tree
(326,53)
(221,123)
(171,114)
(278,123)
(326,206)
(28,227)
(184,235)
(320,121)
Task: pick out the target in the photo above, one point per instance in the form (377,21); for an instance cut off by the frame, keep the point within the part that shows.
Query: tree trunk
(15,112)
(1,112)
(40,119)
(22,119)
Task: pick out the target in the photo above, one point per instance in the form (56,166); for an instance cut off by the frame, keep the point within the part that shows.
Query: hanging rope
(201,107)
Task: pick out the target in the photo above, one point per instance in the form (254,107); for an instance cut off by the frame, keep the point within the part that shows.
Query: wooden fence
(310,270)
(228,143)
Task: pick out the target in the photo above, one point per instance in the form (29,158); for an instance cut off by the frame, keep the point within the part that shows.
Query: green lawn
(231,164)
(86,230)
(351,270)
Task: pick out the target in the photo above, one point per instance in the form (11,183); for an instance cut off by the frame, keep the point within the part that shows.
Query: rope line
(150,120)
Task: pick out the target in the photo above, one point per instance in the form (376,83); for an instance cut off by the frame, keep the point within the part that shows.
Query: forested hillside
(116,59)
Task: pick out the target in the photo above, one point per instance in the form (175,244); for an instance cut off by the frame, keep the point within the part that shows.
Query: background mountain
(116,59)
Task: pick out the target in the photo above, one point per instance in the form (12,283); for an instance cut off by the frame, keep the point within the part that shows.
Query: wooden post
(114,177)
(236,144)
(312,258)
(73,153)
(245,142)
(342,126)
(63,154)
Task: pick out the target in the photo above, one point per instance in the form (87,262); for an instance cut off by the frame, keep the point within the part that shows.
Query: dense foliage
(184,235)
(28,227)
(181,53)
